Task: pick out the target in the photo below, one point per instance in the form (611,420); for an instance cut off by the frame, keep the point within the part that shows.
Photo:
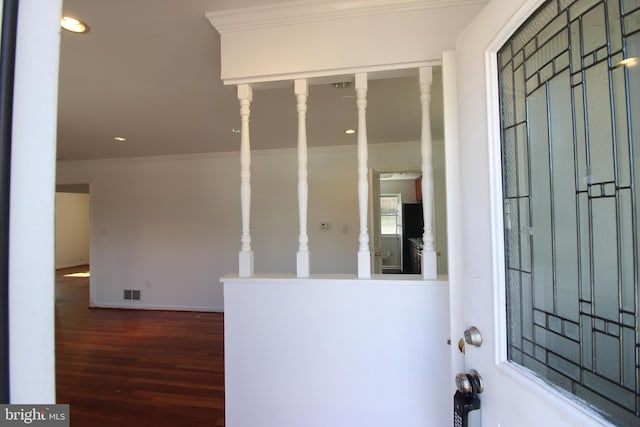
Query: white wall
(72,229)
(406,188)
(340,353)
(170,226)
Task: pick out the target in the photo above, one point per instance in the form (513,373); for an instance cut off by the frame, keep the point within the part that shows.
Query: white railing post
(364,255)
(245,257)
(301,90)
(429,257)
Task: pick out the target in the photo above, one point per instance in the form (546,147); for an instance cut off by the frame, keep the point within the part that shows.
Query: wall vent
(132,294)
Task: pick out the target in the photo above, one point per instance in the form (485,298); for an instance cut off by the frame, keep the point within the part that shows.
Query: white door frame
(454,209)
(31,250)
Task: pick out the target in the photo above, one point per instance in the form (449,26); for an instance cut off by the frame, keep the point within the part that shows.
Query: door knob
(472,336)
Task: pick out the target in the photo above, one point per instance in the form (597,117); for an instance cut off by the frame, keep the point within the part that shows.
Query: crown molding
(291,13)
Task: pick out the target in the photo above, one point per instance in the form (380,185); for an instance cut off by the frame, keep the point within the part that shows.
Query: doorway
(398,218)
(397,191)
(391,232)
(72,237)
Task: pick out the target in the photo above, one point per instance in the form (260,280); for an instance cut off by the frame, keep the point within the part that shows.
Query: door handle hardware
(466,398)
(473,337)
(470,383)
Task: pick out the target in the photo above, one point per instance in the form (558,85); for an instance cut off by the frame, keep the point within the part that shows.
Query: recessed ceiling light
(74,25)
(119,138)
(350,131)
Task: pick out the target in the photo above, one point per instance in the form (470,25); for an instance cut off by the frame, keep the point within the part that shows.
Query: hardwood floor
(136,368)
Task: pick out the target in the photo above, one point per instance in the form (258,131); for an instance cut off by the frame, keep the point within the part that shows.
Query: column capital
(245,92)
(301,87)
(426,75)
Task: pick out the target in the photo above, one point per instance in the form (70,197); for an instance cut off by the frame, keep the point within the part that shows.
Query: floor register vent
(132,294)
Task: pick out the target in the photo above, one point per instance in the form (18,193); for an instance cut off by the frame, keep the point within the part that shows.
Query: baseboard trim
(159,308)
(63,266)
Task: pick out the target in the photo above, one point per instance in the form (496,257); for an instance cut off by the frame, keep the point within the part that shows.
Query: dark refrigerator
(412,231)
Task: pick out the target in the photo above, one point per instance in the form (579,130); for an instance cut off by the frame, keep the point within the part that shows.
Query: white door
(513,395)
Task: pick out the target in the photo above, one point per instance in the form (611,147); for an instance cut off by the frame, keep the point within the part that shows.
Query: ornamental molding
(294,13)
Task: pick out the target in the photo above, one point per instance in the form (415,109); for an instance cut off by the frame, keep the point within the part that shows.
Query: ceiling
(149,70)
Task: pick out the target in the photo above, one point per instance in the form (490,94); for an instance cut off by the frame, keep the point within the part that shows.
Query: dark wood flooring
(136,367)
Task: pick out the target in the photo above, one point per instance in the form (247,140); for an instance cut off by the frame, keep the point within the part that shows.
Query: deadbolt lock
(466,399)
(470,383)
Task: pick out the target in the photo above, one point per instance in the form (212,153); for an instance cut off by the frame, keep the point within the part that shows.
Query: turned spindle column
(246,254)
(429,257)
(364,254)
(302,258)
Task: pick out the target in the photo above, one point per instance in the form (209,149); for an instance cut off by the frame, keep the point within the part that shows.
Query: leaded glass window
(570,127)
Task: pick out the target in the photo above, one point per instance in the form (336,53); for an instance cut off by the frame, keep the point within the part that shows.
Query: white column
(32,359)
(364,255)
(246,254)
(429,257)
(302,259)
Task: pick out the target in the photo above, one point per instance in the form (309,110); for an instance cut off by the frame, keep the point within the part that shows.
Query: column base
(429,265)
(302,264)
(245,264)
(364,265)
